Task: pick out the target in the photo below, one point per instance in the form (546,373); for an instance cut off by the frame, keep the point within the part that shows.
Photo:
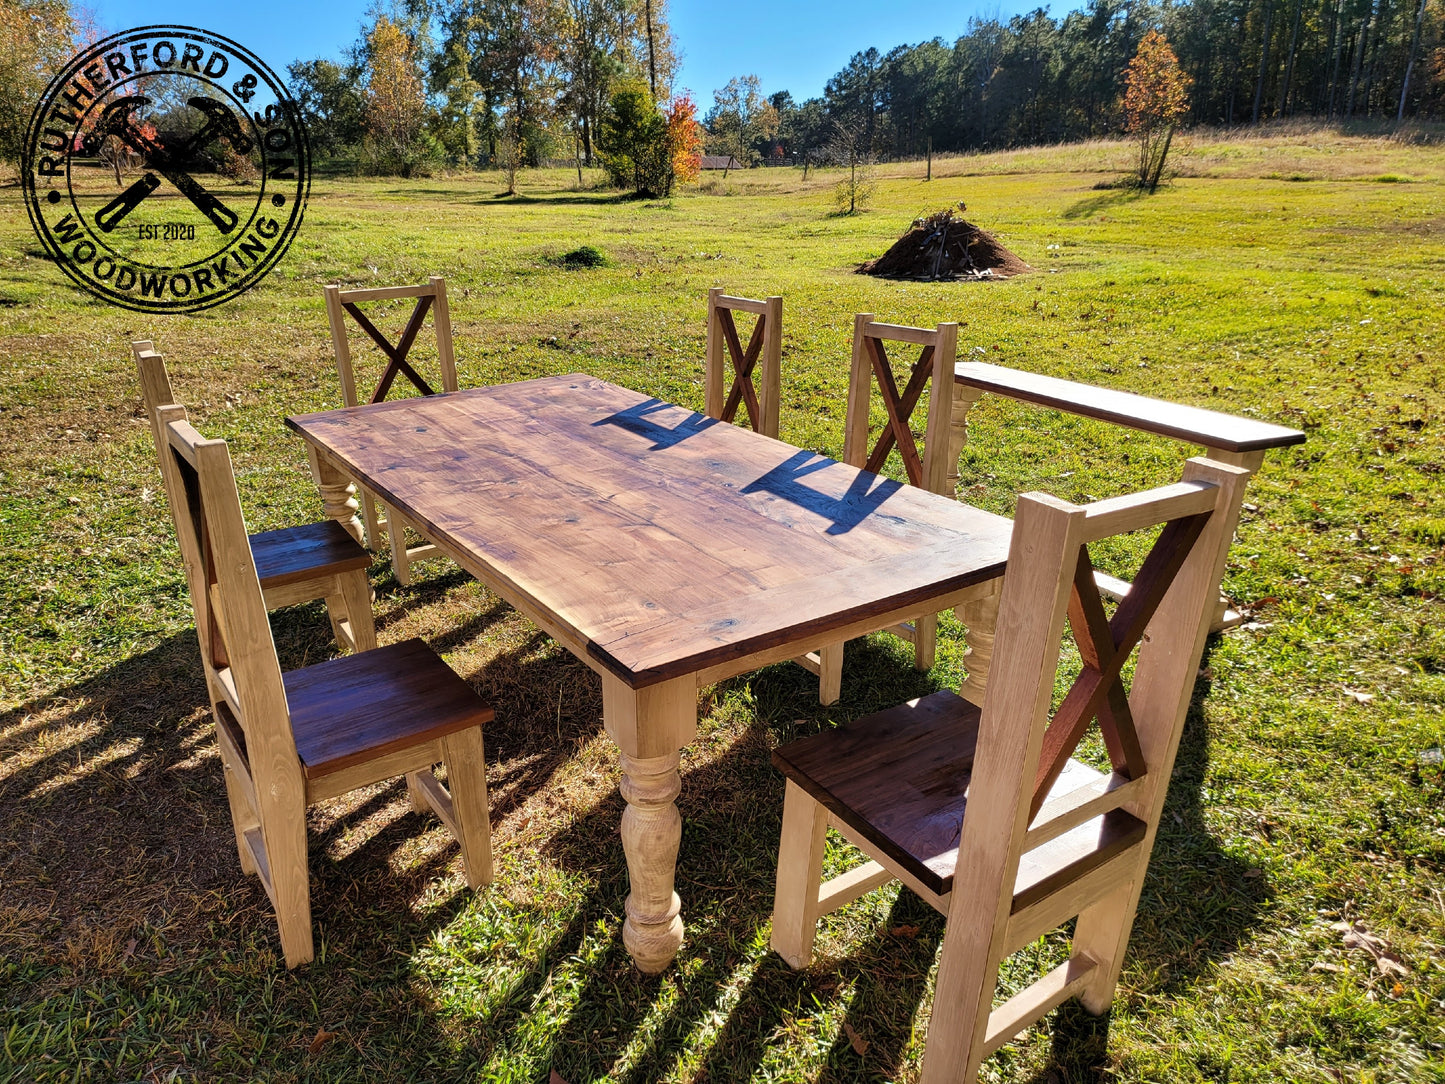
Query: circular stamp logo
(166,169)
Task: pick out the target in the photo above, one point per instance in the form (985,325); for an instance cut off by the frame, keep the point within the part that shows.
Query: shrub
(585,256)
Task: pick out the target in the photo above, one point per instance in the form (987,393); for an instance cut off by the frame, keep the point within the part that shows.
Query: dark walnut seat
(357,708)
(295,554)
(899,778)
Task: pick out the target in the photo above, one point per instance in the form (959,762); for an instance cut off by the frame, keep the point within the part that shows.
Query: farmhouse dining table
(665,549)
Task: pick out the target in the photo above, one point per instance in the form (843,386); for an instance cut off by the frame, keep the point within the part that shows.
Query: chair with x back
(930,470)
(294,564)
(290,740)
(431,297)
(761,360)
(984,812)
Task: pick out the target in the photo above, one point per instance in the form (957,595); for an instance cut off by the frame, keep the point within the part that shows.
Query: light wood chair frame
(1012,807)
(430,297)
(763,358)
(265,784)
(347,594)
(930,470)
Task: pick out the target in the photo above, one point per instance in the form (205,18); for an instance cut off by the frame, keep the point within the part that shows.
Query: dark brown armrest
(1205,427)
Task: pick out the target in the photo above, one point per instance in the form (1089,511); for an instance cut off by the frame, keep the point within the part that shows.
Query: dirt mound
(945,246)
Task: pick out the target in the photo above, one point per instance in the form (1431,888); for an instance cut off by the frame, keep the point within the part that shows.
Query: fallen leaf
(1359,937)
(1390,964)
(1396,990)
(555,1078)
(322,1038)
(130,947)
(1361,698)
(908,932)
(859,1044)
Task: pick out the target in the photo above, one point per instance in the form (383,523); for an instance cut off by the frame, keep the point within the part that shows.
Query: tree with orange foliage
(684,138)
(396,106)
(1156,99)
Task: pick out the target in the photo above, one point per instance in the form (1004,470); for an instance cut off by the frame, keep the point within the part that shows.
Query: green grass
(1306,796)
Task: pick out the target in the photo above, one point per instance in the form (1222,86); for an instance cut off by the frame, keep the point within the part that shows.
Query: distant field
(1298,278)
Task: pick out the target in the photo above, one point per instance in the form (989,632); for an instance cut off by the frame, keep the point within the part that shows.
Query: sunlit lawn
(1309,792)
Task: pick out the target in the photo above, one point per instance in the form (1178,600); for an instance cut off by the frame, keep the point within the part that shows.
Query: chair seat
(359,707)
(292,554)
(899,779)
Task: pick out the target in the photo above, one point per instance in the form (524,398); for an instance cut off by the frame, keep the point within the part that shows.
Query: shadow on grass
(124,882)
(1092,205)
(564,199)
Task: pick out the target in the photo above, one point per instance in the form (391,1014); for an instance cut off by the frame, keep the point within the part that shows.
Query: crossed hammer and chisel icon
(118,119)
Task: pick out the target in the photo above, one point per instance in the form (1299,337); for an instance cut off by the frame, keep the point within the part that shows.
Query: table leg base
(652,944)
(651,833)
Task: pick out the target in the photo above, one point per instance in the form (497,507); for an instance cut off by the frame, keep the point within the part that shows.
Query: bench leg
(463,755)
(800,873)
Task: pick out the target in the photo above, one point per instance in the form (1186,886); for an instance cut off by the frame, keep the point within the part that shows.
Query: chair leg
(925,641)
(396,536)
(1102,932)
(370,530)
(462,753)
(800,874)
(242,816)
(830,673)
(284,831)
(962,998)
(356,604)
(419,802)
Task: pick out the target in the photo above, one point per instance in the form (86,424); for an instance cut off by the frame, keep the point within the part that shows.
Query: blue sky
(790,45)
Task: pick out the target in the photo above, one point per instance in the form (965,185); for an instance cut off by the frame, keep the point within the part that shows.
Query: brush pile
(946,246)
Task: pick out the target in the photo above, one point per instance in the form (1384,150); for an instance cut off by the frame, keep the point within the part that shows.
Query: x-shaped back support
(928,469)
(743,363)
(1104,646)
(757,365)
(899,409)
(395,353)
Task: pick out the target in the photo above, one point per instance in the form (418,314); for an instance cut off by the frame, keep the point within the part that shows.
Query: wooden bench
(1225,438)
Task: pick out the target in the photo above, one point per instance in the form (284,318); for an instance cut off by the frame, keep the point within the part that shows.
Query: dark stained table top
(659,541)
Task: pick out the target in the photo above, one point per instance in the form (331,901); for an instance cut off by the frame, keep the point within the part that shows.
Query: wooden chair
(290,740)
(930,470)
(765,345)
(294,564)
(432,297)
(983,812)
(721,401)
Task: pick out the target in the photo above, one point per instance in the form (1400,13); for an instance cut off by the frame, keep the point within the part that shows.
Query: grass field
(1299,279)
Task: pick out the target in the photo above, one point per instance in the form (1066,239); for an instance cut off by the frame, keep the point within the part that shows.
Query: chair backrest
(1021,749)
(762,357)
(432,296)
(237,649)
(933,371)
(155,382)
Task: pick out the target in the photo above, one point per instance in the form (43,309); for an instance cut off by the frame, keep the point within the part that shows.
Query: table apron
(781,653)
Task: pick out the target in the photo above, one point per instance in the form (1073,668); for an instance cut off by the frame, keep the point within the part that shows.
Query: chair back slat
(231,613)
(757,370)
(430,297)
(933,370)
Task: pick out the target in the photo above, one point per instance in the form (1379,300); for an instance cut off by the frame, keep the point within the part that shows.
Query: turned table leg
(979,616)
(650,726)
(338,494)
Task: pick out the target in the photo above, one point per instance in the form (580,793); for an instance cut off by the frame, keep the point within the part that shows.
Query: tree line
(516,82)
(1039,79)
